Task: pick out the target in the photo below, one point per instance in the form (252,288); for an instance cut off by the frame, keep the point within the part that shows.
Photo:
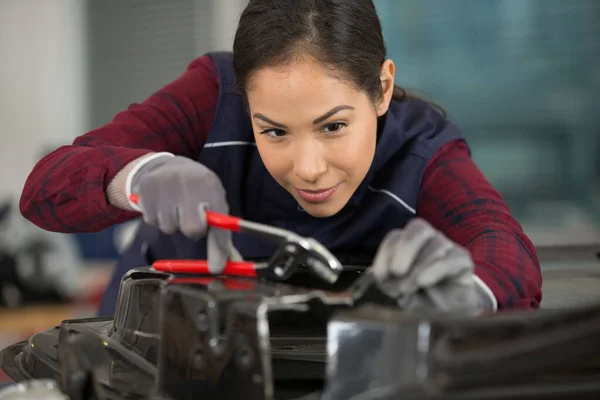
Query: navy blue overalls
(409,135)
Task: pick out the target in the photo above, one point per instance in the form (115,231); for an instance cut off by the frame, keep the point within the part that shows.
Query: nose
(310,163)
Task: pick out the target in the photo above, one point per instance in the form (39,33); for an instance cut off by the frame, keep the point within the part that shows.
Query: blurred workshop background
(520,77)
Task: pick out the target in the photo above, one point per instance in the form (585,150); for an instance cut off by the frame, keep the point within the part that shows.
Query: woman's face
(315,133)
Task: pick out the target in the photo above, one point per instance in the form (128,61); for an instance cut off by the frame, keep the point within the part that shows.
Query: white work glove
(174,193)
(422,269)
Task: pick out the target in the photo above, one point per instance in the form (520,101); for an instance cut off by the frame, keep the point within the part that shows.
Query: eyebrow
(322,118)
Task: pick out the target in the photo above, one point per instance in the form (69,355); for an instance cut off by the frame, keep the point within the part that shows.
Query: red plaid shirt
(65,192)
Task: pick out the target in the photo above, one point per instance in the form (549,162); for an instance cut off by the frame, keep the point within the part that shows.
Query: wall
(42,82)
(227,13)
(49,88)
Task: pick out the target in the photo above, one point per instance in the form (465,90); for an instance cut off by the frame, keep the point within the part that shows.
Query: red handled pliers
(294,251)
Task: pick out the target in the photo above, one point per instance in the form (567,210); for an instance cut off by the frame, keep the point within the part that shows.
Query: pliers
(294,252)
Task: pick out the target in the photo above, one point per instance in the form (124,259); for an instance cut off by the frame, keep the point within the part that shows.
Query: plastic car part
(179,337)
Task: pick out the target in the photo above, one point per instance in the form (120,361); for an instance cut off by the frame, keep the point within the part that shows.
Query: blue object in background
(109,243)
(5,208)
(98,246)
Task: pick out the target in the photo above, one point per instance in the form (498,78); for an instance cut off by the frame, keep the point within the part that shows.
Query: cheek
(273,158)
(356,151)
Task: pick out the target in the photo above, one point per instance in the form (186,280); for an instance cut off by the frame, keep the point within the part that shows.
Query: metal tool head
(294,250)
(297,251)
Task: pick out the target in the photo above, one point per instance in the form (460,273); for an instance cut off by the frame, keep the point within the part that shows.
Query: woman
(302,127)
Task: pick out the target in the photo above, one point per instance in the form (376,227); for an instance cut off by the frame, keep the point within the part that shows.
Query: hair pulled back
(344,36)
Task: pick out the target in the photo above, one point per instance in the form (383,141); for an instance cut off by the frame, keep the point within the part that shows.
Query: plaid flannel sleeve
(458,200)
(66,190)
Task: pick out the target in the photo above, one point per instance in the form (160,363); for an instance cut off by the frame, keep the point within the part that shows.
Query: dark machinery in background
(36,266)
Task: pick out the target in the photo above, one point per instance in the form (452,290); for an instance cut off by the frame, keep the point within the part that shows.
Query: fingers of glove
(386,254)
(218,247)
(150,166)
(437,246)
(392,289)
(456,266)
(208,190)
(220,244)
(445,260)
(148,210)
(219,241)
(202,221)
(156,209)
(396,257)
(195,205)
(424,270)
(167,221)
(193,220)
(438,260)
(401,248)
(151,218)
(419,302)
(453,297)
(178,183)
(417,234)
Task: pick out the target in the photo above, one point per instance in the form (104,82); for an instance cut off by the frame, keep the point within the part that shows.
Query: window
(521,79)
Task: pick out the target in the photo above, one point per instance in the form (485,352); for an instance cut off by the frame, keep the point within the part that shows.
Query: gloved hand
(174,193)
(423,269)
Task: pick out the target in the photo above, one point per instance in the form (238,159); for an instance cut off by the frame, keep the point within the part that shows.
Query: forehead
(303,80)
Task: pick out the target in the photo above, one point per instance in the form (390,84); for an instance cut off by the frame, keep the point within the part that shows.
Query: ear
(388,72)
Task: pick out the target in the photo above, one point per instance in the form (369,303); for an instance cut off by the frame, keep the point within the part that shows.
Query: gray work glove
(424,270)
(174,193)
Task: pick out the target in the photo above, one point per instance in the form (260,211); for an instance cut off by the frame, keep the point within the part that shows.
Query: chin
(322,210)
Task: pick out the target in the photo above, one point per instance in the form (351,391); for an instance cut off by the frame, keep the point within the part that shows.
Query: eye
(333,127)
(274,132)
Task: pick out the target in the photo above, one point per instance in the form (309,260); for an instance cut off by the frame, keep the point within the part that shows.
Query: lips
(316,196)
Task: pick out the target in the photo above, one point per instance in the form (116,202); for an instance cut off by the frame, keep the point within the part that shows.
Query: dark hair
(345,36)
